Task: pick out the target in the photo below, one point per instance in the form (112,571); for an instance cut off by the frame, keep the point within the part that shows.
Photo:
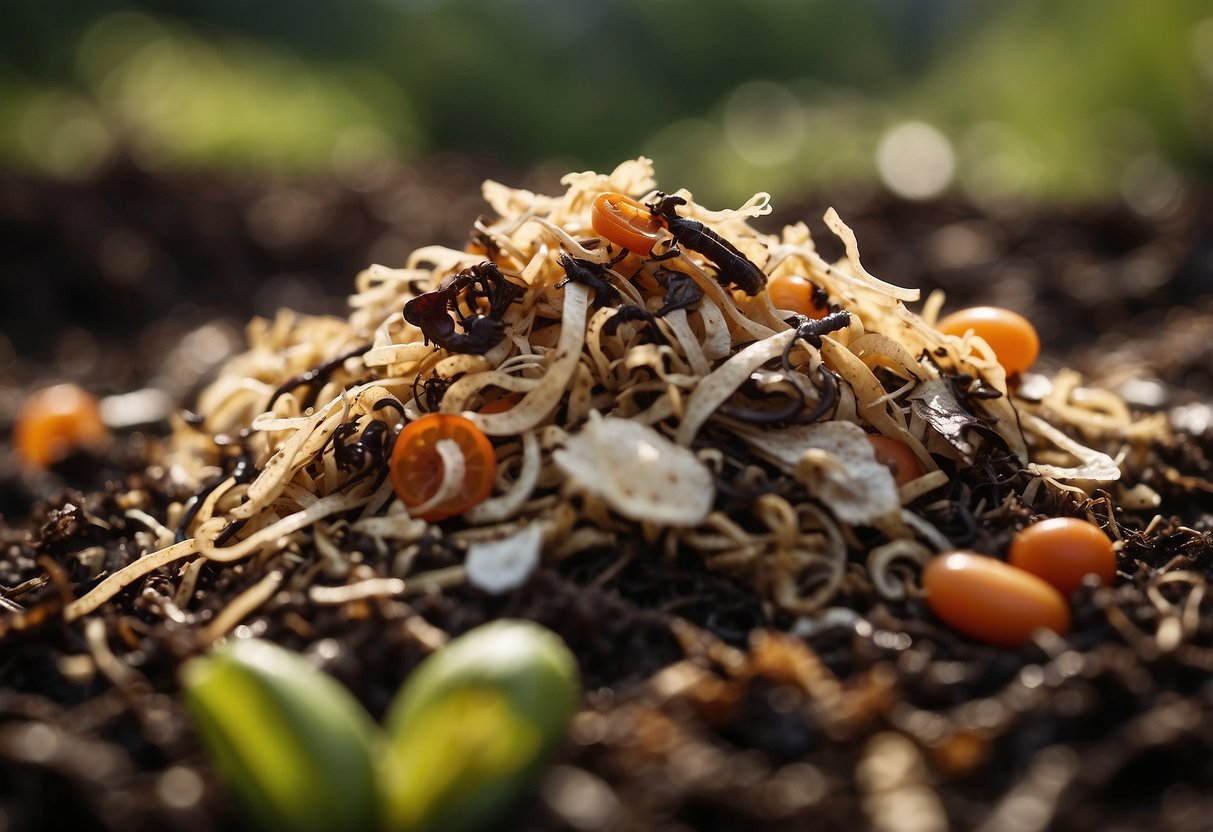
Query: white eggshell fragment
(498,566)
(638,472)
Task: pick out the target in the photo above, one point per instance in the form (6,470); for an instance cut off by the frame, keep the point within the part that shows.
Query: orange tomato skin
(1009,334)
(1063,551)
(898,457)
(796,294)
(992,601)
(416,467)
(625,222)
(55,421)
(501,405)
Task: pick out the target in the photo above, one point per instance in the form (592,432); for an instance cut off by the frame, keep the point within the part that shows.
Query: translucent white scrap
(141,407)
(497,566)
(1092,464)
(638,472)
(836,463)
(1138,497)
(828,619)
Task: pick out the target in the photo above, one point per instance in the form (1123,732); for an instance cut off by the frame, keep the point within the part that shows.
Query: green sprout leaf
(473,725)
(296,749)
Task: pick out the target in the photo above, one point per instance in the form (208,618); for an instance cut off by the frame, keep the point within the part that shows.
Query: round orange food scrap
(1009,334)
(897,457)
(502,404)
(992,601)
(56,421)
(798,294)
(1063,551)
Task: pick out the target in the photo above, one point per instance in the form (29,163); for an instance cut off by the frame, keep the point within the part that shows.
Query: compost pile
(686,491)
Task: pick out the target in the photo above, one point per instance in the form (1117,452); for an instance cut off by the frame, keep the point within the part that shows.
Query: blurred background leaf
(1030,99)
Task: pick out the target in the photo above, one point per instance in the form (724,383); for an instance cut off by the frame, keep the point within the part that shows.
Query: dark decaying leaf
(591,275)
(681,291)
(624,314)
(485,289)
(939,404)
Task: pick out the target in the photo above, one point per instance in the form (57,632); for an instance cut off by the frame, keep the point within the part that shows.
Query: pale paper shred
(638,472)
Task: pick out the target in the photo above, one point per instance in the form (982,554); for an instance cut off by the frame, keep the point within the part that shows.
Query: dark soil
(700,713)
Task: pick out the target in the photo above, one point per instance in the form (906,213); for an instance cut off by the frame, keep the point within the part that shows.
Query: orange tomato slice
(417,468)
(625,222)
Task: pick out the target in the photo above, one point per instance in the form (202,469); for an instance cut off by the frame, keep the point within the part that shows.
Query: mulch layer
(704,709)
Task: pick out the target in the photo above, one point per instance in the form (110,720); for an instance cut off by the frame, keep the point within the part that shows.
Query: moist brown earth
(700,712)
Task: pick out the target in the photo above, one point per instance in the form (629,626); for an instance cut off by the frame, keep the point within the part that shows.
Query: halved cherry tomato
(1063,551)
(797,294)
(417,468)
(625,222)
(56,421)
(897,457)
(1009,334)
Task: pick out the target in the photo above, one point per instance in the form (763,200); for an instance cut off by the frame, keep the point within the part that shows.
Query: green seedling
(474,725)
(297,751)
(466,735)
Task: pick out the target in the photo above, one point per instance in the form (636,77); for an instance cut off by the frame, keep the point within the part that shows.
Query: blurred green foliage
(1031,98)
